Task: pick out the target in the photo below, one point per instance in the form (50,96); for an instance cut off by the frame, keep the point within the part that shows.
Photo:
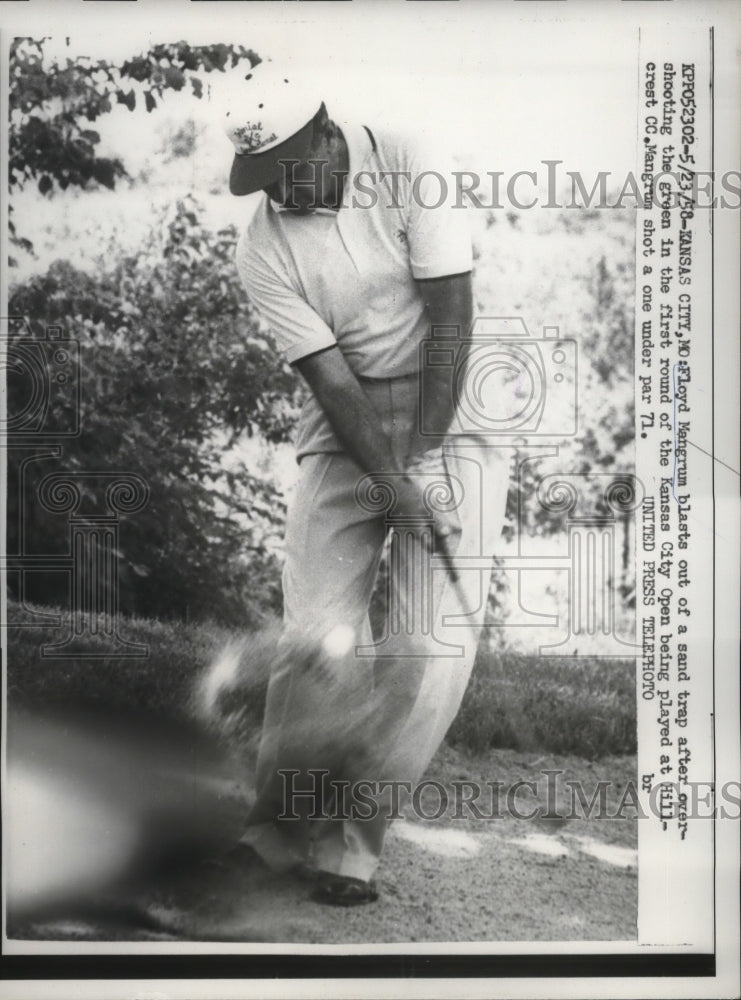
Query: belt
(411,376)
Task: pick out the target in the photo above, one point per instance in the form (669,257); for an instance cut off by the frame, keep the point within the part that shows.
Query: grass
(160,685)
(547,704)
(551,704)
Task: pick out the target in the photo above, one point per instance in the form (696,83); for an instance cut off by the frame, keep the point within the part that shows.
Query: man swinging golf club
(354,270)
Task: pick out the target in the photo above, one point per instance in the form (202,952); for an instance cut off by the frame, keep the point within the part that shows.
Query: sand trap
(443,841)
(623,857)
(553,846)
(541,843)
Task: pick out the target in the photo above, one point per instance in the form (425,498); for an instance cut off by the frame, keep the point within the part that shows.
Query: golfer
(356,263)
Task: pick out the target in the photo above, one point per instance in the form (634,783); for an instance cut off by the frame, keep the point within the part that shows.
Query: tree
(51,107)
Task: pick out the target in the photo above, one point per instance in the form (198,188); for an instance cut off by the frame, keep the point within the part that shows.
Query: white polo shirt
(347,277)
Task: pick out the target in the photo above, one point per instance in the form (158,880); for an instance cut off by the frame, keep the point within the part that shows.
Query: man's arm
(358,428)
(449,302)
(351,415)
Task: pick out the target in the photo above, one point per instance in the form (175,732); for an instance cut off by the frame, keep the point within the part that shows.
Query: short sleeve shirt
(348,277)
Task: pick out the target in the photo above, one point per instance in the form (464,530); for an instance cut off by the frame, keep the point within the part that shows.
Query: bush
(173,371)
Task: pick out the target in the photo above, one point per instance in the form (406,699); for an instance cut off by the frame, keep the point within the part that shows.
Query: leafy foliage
(173,370)
(51,107)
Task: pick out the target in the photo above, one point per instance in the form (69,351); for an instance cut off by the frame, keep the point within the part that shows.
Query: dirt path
(503,879)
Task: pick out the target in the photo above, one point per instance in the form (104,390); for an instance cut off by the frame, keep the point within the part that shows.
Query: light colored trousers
(366,713)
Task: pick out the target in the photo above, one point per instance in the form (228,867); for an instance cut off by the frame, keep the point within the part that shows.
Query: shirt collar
(359,147)
(321,210)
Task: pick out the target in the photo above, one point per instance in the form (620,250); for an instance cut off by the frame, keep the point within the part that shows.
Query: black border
(27,967)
